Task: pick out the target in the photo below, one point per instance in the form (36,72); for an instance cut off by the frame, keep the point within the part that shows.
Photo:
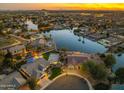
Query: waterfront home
(98,35)
(110,41)
(75,59)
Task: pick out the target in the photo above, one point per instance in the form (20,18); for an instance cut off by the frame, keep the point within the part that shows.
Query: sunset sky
(61,6)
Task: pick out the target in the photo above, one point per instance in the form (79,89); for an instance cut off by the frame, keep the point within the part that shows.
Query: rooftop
(76,57)
(8,41)
(54,57)
(13,80)
(36,68)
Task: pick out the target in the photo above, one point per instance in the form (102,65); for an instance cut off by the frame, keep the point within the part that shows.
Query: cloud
(69,6)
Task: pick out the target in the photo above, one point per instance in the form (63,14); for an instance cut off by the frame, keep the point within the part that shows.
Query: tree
(63,49)
(101,55)
(32,83)
(63,55)
(8,59)
(107,34)
(110,60)
(18,57)
(101,86)
(120,75)
(1,26)
(98,71)
(112,78)
(89,65)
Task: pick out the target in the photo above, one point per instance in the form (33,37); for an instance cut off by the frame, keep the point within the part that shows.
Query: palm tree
(50,35)
(79,39)
(63,55)
(83,40)
(32,83)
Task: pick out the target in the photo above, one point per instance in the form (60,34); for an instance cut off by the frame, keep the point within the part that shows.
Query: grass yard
(55,72)
(46,55)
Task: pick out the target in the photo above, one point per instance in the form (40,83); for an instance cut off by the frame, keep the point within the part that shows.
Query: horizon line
(60,10)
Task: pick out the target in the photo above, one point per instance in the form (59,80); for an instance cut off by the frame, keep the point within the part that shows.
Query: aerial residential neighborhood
(61,49)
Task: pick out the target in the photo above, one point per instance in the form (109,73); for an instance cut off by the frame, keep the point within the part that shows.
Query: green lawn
(46,55)
(55,73)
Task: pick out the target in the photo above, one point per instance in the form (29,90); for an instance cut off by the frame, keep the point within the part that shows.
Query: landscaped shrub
(98,71)
(55,72)
(102,86)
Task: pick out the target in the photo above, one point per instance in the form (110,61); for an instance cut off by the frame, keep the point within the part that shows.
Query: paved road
(69,82)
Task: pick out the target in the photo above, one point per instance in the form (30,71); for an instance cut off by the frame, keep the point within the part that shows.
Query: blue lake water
(66,39)
(120,62)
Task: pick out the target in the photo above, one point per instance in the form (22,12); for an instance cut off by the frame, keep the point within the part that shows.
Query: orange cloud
(63,6)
